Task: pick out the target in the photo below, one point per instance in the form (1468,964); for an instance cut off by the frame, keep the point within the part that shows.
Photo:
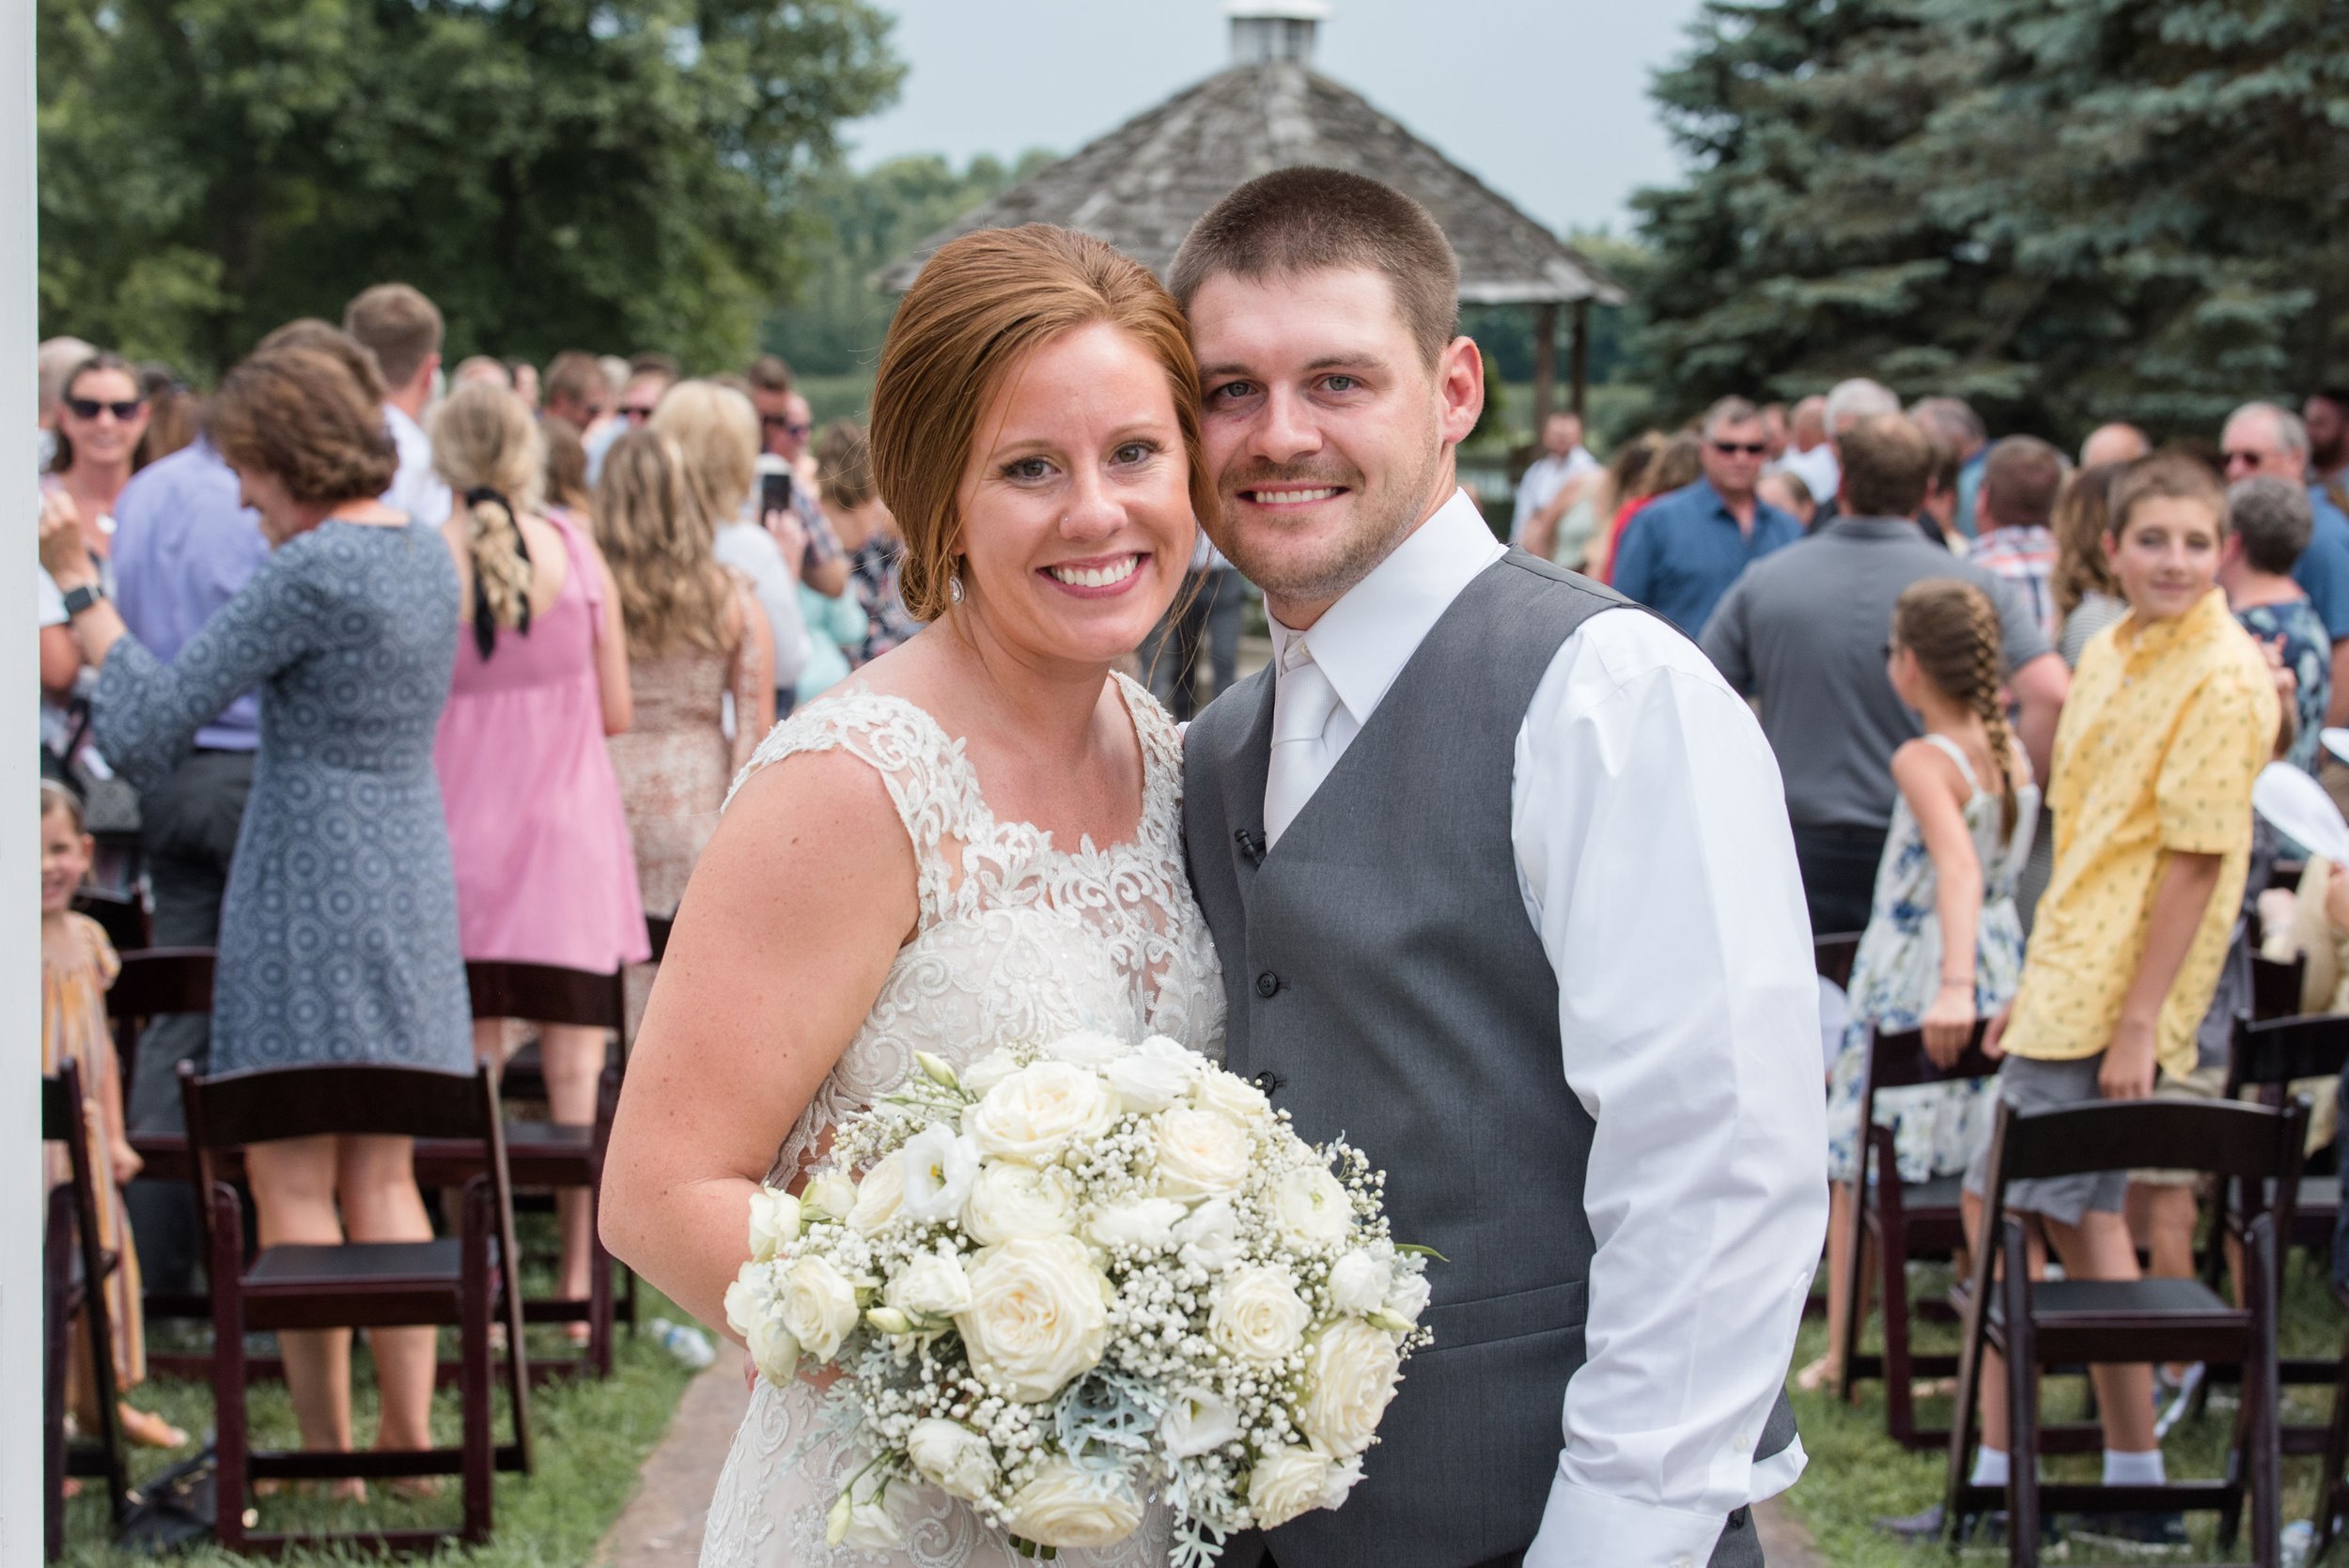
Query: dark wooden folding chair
(156,981)
(120,915)
(468,1282)
(1834,955)
(1901,1220)
(2332,1482)
(657,928)
(2037,1323)
(77,1267)
(545,1154)
(2276,986)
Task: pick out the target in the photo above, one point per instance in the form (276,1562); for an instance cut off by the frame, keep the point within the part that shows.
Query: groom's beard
(1318,571)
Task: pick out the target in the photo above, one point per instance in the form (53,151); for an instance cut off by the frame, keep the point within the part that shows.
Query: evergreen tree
(611,174)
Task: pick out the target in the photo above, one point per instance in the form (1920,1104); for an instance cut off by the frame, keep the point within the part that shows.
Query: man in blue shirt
(183,546)
(1682,550)
(2269,439)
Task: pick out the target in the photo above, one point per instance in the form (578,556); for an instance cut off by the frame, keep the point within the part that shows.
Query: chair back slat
(2284,1050)
(159,980)
(2276,987)
(1898,1061)
(59,1102)
(120,915)
(546,993)
(2217,1137)
(233,1111)
(1834,955)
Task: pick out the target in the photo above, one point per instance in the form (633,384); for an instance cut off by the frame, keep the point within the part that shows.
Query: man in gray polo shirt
(1804,631)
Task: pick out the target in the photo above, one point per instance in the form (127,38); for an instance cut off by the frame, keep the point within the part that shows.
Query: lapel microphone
(1250,845)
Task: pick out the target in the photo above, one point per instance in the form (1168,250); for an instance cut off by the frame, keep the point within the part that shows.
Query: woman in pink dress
(545,874)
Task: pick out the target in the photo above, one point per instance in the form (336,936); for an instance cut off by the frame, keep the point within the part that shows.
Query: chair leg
(599,1289)
(228,1371)
(2328,1483)
(1900,1377)
(2261,1387)
(56,1349)
(474,1381)
(2022,1409)
(1847,1348)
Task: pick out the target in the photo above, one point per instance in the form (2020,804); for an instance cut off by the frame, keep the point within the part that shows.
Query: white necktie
(1302,702)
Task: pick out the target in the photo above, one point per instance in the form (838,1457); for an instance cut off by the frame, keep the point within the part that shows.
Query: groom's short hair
(1310,220)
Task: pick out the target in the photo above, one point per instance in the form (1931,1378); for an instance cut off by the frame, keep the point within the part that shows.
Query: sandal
(1817,1376)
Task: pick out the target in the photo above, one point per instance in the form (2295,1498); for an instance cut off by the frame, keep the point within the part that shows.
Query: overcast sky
(1545,100)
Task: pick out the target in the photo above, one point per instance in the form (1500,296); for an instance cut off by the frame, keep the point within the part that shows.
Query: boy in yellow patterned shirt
(2172,714)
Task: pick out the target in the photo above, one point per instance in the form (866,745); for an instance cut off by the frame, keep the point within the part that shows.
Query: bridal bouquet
(1079,1276)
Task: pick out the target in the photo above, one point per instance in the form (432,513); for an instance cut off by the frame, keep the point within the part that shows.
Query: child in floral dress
(77,965)
(1944,945)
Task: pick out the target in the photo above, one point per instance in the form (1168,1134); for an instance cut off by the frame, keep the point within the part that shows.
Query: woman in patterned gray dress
(339,930)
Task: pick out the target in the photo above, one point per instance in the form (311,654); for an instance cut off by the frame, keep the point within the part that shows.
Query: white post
(19,953)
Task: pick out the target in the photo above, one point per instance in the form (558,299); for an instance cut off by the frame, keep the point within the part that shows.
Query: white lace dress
(1017,940)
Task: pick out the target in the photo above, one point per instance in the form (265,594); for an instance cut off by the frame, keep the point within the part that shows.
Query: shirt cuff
(1582,1528)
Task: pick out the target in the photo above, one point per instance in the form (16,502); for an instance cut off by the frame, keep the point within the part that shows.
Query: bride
(978,840)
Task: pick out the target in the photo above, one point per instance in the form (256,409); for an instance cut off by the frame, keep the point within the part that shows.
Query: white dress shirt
(417,489)
(1818,469)
(1543,480)
(1656,862)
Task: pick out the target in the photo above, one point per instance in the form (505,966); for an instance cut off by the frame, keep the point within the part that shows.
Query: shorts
(2027,1083)
(2205,1084)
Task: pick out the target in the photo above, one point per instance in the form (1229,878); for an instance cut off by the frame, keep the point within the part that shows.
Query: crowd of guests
(405,669)
(2018,705)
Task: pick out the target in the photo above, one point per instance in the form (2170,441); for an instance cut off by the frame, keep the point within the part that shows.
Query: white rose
(938,1169)
(1351,1373)
(1010,1201)
(830,1196)
(1037,1111)
(1410,1297)
(775,1222)
(932,1284)
(1344,1478)
(1358,1282)
(1201,1153)
(751,1311)
(1257,1315)
(988,1071)
(1211,1238)
(1087,1048)
(1236,1097)
(1038,1316)
(1154,1075)
(953,1457)
(1286,1483)
(1145,1224)
(1309,1207)
(1197,1422)
(1064,1506)
(879,1195)
(874,1522)
(818,1307)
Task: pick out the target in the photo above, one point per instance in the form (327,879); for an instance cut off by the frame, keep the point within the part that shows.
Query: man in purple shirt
(183,546)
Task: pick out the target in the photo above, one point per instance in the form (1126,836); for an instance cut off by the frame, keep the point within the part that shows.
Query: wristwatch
(81,598)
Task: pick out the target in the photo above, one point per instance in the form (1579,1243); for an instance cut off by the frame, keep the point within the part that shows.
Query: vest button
(1267,983)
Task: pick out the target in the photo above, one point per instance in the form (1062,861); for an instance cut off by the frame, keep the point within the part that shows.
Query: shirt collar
(1363,642)
(2141,638)
(1873,528)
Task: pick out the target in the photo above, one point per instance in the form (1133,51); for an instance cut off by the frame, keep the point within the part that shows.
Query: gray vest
(1383,983)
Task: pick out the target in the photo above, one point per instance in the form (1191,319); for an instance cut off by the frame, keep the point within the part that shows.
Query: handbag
(174,1510)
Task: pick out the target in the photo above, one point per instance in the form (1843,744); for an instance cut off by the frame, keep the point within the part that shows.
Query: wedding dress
(1016,940)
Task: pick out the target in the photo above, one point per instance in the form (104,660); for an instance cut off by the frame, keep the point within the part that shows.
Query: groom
(1501,876)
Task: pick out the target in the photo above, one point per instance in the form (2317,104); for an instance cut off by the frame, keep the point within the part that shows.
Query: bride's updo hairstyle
(980,307)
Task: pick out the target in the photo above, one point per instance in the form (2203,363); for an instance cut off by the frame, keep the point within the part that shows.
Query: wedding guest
(2268,523)
(1688,546)
(171,412)
(567,468)
(576,392)
(2087,595)
(54,359)
(338,931)
(2012,504)
(1803,633)
(2325,417)
(2267,439)
(716,435)
(1953,422)
(1809,456)
(525,376)
(1563,457)
(1849,403)
(2173,715)
(1789,494)
(695,640)
(1626,478)
(1677,464)
(645,380)
(100,416)
(544,871)
(486,368)
(77,967)
(401,328)
(785,423)
(844,466)
(2113,444)
(1944,944)
(1937,514)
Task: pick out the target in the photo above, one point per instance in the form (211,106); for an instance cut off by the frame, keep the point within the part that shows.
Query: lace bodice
(1018,938)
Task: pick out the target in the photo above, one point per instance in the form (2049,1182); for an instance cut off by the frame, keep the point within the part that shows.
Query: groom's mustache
(1263,475)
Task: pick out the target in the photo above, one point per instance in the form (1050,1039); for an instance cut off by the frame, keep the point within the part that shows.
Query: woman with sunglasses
(102,415)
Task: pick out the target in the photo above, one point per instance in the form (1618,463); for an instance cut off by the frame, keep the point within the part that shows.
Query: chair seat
(2319,1194)
(387,1263)
(1942,1193)
(2053,1301)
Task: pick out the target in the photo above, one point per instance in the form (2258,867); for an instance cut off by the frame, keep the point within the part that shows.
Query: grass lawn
(1858,1475)
(590,1437)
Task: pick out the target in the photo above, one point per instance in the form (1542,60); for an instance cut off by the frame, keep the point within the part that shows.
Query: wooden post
(1544,364)
(1582,355)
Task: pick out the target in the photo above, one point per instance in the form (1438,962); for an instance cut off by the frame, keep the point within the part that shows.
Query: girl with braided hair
(1944,945)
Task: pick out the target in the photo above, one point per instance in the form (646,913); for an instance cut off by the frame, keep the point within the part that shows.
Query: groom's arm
(1654,852)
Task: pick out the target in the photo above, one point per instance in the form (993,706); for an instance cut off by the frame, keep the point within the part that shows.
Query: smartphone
(774,491)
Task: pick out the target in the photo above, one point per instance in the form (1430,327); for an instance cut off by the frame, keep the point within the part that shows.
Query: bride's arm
(784,939)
